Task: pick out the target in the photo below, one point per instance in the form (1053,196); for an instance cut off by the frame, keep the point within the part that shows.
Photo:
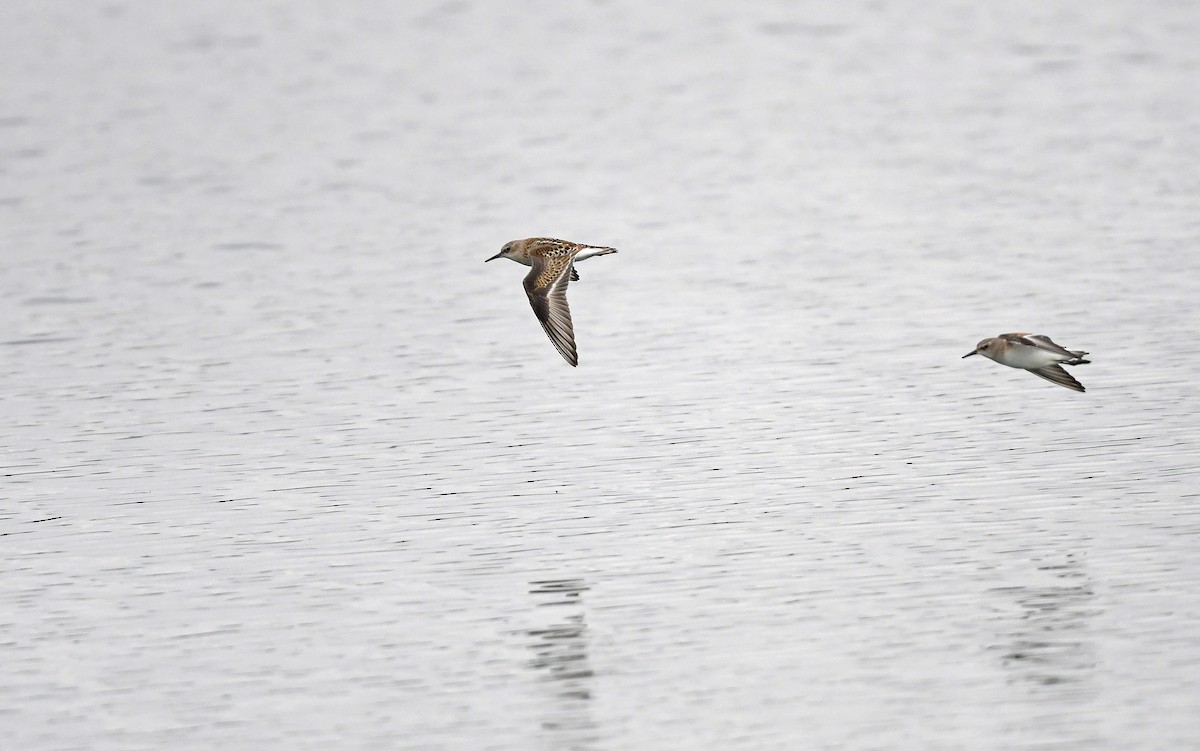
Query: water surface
(286,466)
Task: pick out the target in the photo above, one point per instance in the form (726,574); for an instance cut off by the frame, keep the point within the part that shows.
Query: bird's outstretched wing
(1045,343)
(546,286)
(1056,374)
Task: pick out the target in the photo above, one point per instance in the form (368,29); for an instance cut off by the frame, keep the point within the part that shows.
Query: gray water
(286,466)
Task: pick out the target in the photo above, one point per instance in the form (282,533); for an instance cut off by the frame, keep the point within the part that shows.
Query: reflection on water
(561,660)
(268,477)
(1050,648)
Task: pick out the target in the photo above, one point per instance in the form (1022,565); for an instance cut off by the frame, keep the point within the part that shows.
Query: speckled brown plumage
(552,263)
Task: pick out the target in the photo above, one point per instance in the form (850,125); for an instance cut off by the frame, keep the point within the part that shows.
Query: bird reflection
(1051,646)
(561,659)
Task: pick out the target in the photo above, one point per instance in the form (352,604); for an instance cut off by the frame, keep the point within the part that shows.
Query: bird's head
(512,250)
(984,348)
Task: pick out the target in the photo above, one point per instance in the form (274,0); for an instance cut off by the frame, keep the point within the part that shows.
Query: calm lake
(287,466)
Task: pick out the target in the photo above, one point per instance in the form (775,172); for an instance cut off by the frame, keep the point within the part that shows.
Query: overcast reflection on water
(288,466)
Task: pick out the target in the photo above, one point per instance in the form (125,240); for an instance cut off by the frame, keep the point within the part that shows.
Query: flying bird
(553,267)
(1035,353)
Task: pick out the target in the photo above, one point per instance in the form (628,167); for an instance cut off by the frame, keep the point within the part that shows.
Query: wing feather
(1046,344)
(546,286)
(1056,374)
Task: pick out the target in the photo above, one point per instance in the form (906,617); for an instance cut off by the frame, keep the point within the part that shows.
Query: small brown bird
(553,267)
(1035,353)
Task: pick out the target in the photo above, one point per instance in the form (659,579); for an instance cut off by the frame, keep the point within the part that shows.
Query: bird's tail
(1079,358)
(593,250)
